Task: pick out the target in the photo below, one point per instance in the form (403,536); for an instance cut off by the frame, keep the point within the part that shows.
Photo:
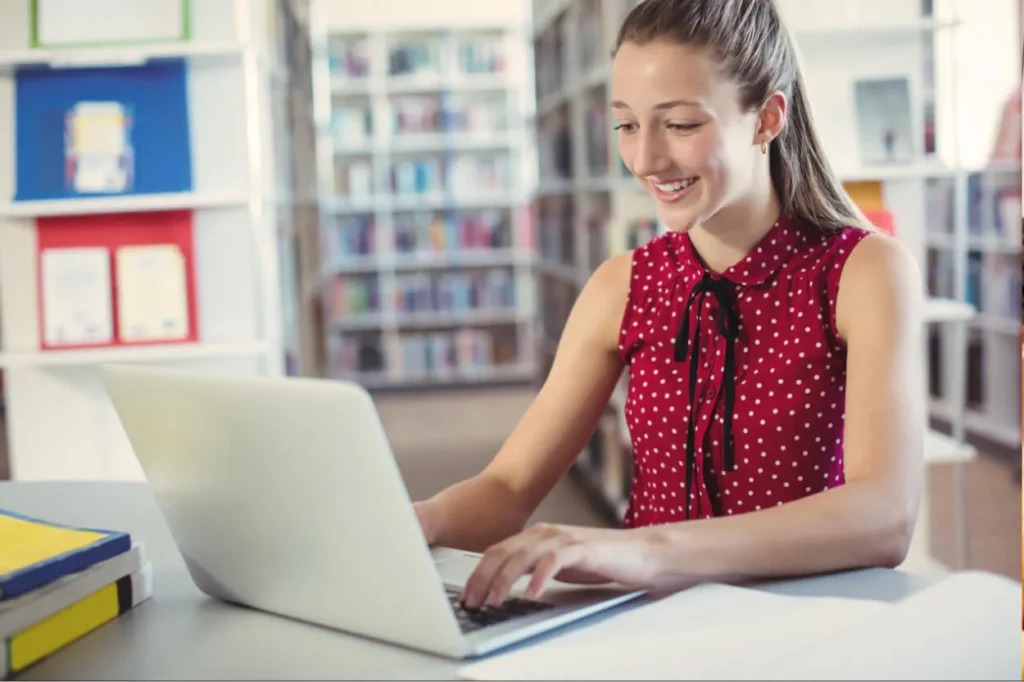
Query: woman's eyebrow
(618,104)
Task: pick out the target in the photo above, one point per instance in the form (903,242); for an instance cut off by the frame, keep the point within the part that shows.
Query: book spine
(64,627)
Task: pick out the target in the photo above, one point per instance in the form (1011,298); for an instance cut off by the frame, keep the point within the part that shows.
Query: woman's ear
(772,117)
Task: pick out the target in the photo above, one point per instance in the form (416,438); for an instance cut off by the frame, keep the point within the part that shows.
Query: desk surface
(182,634)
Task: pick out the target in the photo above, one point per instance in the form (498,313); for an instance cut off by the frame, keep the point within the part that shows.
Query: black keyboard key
(471,620)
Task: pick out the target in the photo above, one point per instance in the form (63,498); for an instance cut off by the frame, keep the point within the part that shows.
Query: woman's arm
(478,512)
(869,520)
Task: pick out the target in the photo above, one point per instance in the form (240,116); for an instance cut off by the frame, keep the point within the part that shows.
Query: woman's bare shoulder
(604,298)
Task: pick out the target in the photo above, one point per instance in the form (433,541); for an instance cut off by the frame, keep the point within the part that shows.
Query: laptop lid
(283,494)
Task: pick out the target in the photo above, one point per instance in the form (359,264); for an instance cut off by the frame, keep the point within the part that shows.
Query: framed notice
(74,23)
(76,297)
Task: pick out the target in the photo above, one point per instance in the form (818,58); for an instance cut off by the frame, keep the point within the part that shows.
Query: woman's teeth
(677,186)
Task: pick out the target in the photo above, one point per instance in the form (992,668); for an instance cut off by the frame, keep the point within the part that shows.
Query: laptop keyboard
(476,619)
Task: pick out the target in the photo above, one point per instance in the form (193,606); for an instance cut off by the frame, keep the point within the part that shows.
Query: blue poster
(102,131)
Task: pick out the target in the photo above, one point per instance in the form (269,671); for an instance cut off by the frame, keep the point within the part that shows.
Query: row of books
(554,147)
(444,353)
(426,232)
(349,236)
(415,58)
(557,300)
(417,176)
(485,173)
(477,113)
(480,56)
(358,353)
(590,38)
(597,130)
(419,354)
(994,284)
(487,229)
(556,234)
(59,583)
(639,232)
(993,205)
(351,124)
(348,296)
(597,241)
(348,57)
(550,60)
(464,174)
(455,291)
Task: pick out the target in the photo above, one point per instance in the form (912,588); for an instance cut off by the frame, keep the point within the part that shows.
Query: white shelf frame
(170,201)
(238,285)
(143,353)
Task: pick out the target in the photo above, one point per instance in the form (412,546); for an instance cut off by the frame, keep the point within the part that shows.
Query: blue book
(36,552)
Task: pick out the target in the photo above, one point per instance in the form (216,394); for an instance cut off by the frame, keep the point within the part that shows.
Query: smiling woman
(771,338)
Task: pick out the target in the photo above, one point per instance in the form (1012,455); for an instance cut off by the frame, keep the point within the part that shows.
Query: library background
(410,195)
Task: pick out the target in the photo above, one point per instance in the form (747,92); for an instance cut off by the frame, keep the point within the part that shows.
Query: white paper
(76,297)
(962,628)
(708,632)
(74,22)
(99,147)
(152,298)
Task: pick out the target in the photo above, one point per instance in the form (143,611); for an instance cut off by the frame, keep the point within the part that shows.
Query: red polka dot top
(736,381)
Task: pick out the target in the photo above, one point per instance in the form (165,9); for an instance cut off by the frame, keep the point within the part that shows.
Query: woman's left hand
(569,554)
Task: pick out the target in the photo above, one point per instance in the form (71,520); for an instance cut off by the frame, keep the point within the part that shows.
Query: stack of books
(58,583)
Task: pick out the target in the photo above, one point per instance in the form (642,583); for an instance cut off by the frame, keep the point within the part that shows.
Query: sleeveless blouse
(736,380)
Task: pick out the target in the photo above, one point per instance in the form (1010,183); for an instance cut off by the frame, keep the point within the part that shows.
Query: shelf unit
(587,204)
(425,265)
(60,424)
(588,207)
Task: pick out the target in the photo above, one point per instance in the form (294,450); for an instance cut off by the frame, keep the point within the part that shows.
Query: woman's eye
(683,126)
(626,127)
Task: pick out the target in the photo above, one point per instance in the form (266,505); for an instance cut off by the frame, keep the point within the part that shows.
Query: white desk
(182,634)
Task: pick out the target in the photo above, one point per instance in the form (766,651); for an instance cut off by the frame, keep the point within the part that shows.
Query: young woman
(773,342)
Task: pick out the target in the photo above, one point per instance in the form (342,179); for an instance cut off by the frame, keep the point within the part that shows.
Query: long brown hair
(748,39)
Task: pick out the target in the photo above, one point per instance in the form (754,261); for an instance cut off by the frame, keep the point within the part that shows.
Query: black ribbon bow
(728,324)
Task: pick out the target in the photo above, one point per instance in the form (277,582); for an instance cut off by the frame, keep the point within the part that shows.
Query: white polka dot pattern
(789,381)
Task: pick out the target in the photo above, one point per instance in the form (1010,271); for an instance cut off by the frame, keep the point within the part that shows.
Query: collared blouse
(736,392)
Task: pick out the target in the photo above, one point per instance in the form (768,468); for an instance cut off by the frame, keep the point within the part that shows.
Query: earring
(764,147)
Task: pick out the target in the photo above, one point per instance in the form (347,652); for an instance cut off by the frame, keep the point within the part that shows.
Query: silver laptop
(283,495)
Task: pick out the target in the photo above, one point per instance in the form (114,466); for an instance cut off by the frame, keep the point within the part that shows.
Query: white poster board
(74,23)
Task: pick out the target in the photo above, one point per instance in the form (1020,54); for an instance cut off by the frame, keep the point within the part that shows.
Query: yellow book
(37,552)
(867,194)
(39,641)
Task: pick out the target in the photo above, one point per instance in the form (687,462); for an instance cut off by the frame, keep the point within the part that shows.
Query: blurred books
(59,583)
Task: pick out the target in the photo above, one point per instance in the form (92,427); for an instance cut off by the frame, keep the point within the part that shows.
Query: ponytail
(802,174)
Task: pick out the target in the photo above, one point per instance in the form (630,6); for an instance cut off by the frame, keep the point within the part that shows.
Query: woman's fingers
(494,559)
(518,564)
(542,550)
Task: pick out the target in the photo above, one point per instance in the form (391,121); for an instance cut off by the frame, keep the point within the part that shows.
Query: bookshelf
(206,178)
(588,207)
(425,265)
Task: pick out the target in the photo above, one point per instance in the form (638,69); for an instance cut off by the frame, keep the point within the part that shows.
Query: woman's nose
(649,157)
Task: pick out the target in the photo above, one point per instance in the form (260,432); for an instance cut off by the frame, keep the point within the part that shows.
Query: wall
(356,15)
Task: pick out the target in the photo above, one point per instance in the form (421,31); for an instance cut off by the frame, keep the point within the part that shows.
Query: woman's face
(681,130)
